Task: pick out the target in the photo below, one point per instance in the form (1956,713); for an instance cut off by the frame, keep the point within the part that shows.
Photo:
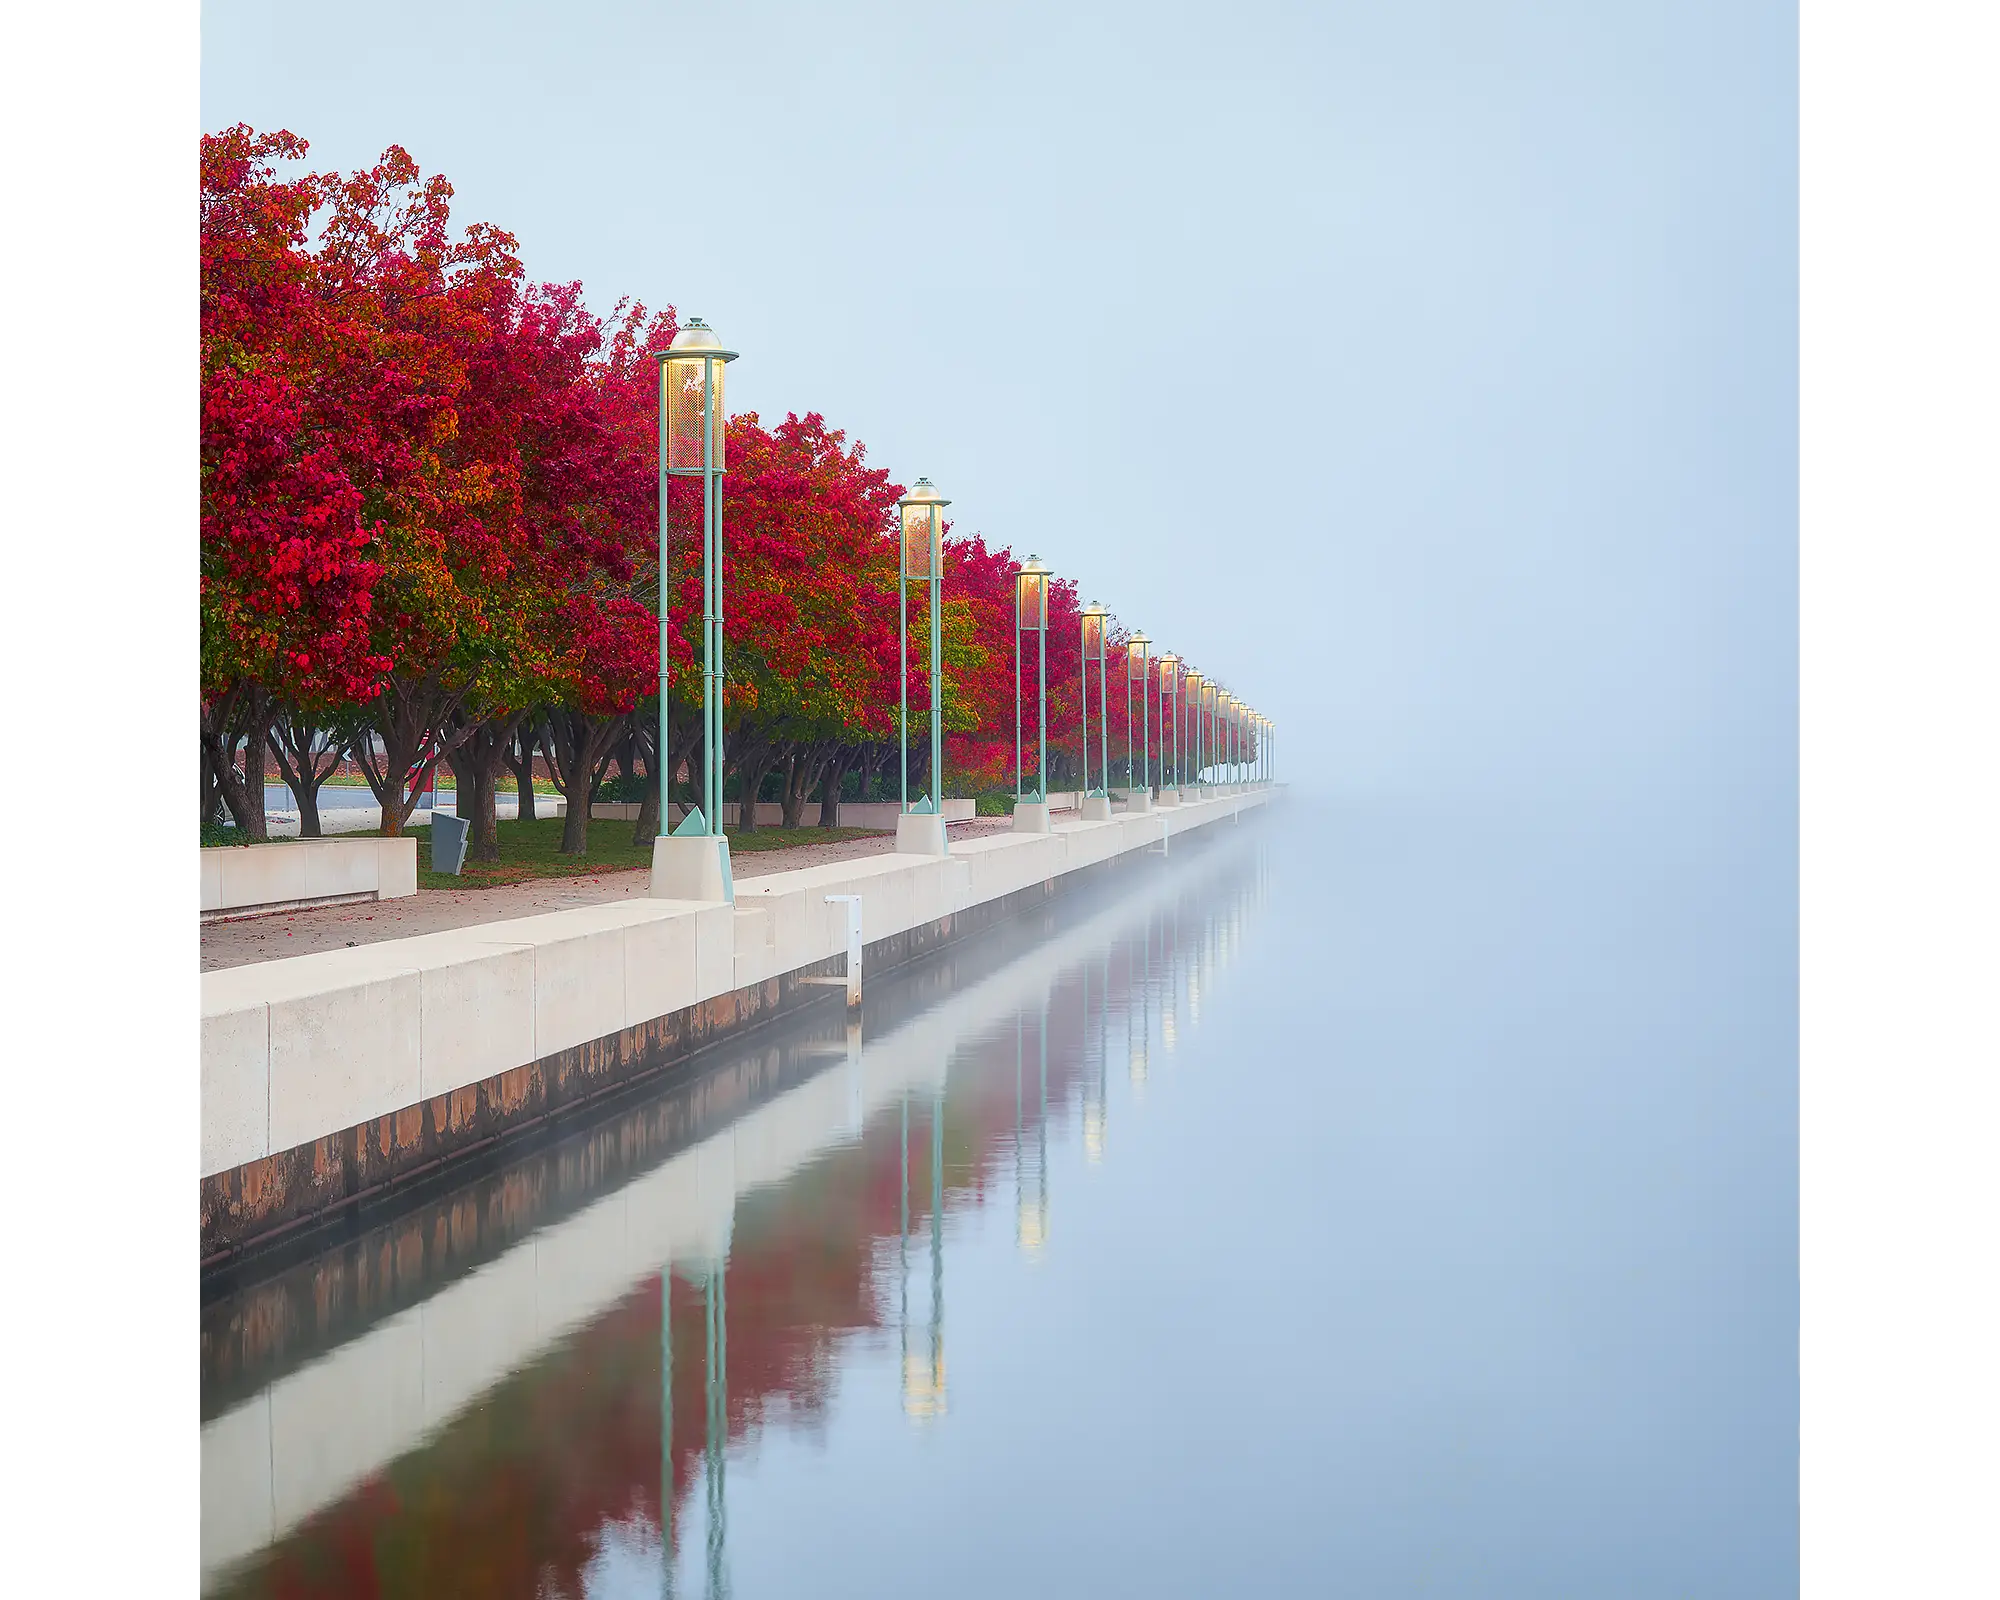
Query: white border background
(99,427)
(1900,510)
(1900,877)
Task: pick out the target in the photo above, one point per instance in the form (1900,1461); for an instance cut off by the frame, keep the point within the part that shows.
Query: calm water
(1366,1203)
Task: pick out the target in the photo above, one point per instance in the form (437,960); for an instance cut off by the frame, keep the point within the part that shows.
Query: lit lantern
(691,395)
(1094,616)
(923,533)
(1135,658)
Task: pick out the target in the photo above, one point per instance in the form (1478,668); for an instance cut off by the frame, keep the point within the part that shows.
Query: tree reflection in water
(578,1466)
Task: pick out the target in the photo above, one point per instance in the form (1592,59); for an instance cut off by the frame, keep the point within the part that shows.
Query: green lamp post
(694,863)
(1139,670)
(1208,694)
(1096,802)
(1223,735)
(1170,715)
(1031,615)
(1195,751)
(920,829)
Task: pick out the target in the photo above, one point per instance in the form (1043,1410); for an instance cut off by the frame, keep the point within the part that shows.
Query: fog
(1425,372)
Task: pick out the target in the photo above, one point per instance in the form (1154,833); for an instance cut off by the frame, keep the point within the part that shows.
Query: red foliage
(287,580)
(431,486)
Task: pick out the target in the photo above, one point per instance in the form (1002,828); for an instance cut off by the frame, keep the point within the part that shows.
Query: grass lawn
(531,850)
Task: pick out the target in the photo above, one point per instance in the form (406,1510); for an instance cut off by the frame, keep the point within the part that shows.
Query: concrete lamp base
(692,867)
(1138,802)
(1168,797)
(1031,816)
(1097,808)
(921,834)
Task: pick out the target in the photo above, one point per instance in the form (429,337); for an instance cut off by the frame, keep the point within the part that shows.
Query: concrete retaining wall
(329,1076)
(301,871)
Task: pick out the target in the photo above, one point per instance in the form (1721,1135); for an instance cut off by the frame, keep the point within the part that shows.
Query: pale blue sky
(1492,477)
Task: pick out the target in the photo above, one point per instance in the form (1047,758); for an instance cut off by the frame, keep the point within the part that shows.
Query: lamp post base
(1031,816)
(921,834)
(1097,808)
(692,867)
(1168,797)
(1138,802)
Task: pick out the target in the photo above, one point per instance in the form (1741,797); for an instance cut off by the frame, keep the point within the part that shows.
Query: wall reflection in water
(534,1383)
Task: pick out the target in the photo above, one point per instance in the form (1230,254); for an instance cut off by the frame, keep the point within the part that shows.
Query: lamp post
(694,863)
(920,831)
(1031,615)
(1138,669)
(1170,695)
(1194,683)
(1208,693)
(1096,802)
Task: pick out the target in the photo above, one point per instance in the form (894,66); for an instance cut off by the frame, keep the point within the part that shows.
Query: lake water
(1371,1201)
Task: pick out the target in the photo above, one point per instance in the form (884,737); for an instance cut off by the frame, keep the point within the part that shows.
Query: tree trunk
(521,750)
(751,762)
(829,789)
(579,742)
(211,786)
(476,763)
(413,718)
(645,752)
(240,716)
(306,756)
(794,798)
(807,765)
(254,740)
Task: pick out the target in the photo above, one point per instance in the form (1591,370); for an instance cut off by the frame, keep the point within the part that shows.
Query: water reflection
(534,1384)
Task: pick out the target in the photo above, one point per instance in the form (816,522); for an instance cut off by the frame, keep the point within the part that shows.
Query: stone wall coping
(421,999)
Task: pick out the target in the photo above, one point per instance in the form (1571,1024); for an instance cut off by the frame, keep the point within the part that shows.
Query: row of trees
(429,534)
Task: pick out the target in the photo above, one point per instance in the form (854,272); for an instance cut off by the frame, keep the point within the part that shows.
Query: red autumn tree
(423,303)
(288,570)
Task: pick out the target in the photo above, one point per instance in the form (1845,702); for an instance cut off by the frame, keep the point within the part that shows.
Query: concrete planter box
(301,872)
(883,814)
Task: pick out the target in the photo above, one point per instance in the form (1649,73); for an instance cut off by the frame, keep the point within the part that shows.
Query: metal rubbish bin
(449,837)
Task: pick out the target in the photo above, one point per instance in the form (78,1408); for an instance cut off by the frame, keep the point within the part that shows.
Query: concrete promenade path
(249,940)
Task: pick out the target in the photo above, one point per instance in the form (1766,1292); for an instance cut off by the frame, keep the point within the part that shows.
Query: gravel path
(298,933)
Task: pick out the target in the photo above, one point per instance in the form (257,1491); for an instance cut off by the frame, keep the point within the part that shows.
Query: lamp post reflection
(923,1373)
(717,1453)
(1031,1178)
(667,1489)
(1093,1084)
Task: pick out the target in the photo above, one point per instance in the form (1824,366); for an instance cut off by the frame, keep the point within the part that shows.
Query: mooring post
(853,904)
